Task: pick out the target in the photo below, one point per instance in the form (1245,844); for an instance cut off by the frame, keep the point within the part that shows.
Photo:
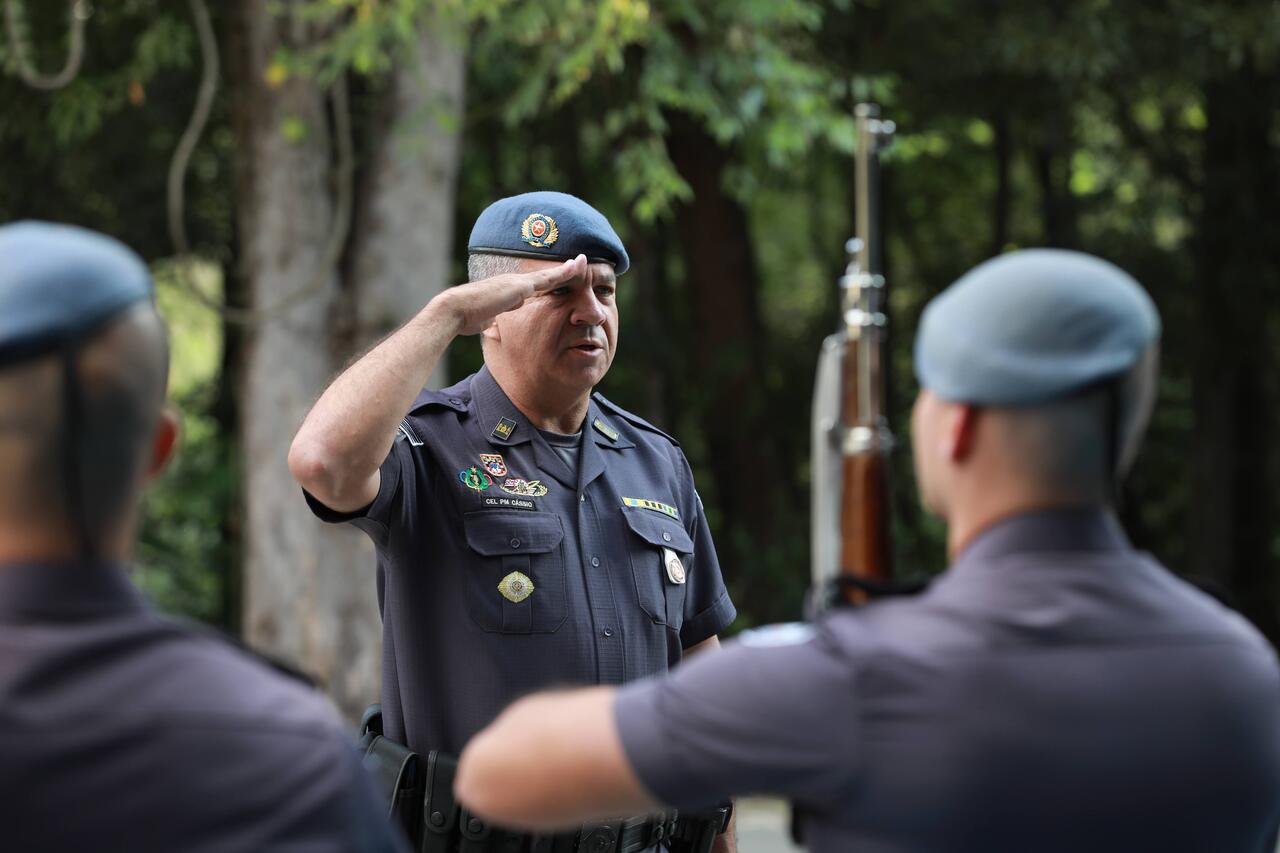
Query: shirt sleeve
(395,496)
(708,610)
(771,713)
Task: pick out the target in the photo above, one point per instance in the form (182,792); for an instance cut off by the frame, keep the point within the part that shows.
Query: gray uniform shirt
(120,730)
(502,569)
(1054,690)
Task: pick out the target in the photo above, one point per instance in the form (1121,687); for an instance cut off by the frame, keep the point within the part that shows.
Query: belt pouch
(439,810)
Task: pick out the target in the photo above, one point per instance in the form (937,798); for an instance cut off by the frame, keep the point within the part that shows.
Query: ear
(163,443)
(961,431)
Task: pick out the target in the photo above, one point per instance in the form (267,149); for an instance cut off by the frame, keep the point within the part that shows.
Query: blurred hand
(474,306)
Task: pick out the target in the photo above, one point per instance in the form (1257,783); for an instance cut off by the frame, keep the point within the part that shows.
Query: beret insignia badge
(539,230)
(516,587)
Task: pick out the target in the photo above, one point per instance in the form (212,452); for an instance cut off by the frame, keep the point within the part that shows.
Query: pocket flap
(657,529)
(494,532)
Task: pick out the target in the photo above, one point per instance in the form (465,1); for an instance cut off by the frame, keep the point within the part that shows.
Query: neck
(26,543)
(549,408)
(974,511)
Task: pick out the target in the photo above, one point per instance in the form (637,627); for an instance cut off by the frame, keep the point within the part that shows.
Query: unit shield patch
(516,587)
(539,230)
(494,464)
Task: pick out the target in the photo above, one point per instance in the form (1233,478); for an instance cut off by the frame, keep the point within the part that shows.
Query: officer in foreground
(529,533)
(1053,690)
(120,730)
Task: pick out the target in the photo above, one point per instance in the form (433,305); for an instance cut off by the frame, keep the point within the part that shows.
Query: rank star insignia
(675,568)
(516,587)
(503,430)
(494,464)
(539,230)
(474,478)
(523,488)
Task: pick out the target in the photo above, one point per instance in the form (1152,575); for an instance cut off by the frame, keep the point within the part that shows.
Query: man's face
(563,339)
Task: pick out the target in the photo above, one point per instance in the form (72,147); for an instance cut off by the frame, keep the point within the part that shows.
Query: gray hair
(482,265)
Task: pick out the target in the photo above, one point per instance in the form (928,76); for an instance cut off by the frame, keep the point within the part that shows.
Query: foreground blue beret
(1032,326)
(551,225)
(59,282)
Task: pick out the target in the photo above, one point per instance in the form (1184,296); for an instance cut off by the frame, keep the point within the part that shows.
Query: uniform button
(437,819)
(515,543)
(455,401)
(608,632)
(595,561)
(582,498)
(475,826)
(666,537)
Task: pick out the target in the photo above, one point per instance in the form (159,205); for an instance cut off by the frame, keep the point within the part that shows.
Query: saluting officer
(120,730)
(529,533)
(1054,690)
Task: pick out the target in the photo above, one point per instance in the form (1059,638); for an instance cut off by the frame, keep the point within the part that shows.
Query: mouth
(588,348)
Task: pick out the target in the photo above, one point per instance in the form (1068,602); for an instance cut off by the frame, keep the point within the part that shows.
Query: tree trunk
(1232,521)
(309,592)
(729,351)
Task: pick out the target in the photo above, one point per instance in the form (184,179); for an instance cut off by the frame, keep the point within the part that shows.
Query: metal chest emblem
(656,506)
(675,568)
(539,230)
(523,488)
(474,478)
(503,430)
(516,587)
(494,464)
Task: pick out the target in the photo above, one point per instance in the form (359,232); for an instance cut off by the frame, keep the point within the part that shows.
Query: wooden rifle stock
(851,534)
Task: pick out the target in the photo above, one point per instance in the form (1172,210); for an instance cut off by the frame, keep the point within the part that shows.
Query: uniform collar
(66,591)
(1046,531)
(504,425)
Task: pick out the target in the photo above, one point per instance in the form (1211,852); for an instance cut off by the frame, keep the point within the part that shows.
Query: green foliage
(1084,123)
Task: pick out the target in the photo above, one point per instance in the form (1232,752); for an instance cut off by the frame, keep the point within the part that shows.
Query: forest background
(302,175)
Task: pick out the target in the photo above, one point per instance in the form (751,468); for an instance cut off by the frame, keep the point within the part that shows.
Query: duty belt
(419,798)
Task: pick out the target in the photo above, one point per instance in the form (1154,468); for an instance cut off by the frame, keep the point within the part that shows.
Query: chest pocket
(516,584)
(660,596)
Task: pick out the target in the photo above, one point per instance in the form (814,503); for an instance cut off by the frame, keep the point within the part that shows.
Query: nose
(588,310)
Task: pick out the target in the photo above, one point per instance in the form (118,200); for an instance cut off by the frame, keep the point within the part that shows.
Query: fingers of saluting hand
(552,277)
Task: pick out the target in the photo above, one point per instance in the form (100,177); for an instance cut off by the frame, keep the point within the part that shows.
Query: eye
(560,291)
(605,291)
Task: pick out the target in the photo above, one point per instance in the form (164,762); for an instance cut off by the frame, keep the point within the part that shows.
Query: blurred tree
(334,253)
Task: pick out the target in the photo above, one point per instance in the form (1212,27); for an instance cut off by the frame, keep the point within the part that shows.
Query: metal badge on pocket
(675,568)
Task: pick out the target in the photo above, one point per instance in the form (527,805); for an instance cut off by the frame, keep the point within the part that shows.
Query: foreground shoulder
(632,418)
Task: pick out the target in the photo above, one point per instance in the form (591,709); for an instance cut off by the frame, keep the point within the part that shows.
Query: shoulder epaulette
(630,418)
(448,398)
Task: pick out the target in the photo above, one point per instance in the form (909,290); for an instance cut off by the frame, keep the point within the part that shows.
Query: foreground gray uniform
(1054,690)
(121,731)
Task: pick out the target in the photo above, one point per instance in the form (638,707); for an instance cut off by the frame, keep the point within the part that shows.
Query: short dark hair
(121,372)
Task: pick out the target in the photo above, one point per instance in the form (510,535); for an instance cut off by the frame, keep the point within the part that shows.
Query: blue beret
(58,282)
(1032,326)
(550,225)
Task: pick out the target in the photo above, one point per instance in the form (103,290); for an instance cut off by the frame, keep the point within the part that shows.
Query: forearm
(349,430)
